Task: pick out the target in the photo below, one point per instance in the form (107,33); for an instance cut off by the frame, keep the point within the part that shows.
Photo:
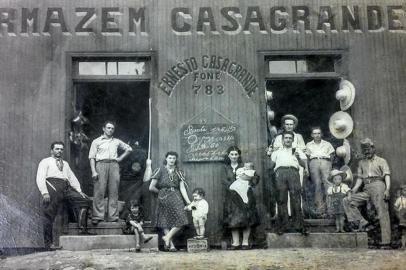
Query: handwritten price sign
(207,142)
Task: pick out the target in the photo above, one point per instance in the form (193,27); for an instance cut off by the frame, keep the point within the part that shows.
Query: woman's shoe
(172,249)
(245,247)
(167,245)
(234,247)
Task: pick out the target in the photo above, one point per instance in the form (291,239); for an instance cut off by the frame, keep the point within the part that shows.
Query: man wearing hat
(289,123)
(374,173)
(320,154)
(287,162)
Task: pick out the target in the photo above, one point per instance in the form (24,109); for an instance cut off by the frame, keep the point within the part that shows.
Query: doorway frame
(152,78)
(341,71)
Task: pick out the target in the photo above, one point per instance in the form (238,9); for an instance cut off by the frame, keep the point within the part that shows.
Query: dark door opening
(127,104)
(311,101)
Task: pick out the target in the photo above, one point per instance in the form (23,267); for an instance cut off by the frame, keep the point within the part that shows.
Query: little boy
(336,193)
(400,207)
(199,208)
(134,222)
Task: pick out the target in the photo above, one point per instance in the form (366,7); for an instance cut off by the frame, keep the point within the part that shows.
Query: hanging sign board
(207,142)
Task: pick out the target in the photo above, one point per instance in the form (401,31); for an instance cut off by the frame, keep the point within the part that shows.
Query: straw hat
(344,151)
(348,179)
(341,125)
(291,117)
(268,95)
(346,94)
(335,172)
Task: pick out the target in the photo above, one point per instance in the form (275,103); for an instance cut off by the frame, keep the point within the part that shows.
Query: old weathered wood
(36,86)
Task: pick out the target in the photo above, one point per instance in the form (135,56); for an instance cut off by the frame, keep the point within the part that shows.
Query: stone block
(88,242)
(105,228)
(318,240)
(197,245)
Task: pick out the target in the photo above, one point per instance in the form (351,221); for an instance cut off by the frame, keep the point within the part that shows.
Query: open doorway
(127,104)
(312,101)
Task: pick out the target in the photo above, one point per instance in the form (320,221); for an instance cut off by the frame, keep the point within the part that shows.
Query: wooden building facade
(202,63)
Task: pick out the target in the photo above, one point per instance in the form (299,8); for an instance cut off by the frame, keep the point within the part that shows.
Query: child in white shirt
(199,208)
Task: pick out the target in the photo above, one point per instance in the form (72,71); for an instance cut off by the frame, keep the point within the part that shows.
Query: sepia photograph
(211,134)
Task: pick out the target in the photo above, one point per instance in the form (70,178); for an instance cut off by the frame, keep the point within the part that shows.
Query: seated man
(57,184)
(374,173)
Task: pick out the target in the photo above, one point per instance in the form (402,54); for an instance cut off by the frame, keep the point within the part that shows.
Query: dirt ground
(215,259)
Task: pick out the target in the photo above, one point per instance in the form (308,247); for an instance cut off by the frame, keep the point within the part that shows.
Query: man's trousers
(109,178)
(375,192)
(287,179)
(60,192)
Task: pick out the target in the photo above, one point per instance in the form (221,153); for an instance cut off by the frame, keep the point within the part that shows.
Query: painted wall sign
(208,72)
(202,143)
(230,20)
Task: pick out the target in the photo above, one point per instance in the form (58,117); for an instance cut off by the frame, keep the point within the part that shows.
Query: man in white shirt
(287,162)
(57,184)
(320,154)
(289,123)
(104,161)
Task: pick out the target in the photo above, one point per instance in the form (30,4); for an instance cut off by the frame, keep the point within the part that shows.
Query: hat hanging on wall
(270,114)
(341,125)
(349,176)
(268,95)
(344,151)
(346,94)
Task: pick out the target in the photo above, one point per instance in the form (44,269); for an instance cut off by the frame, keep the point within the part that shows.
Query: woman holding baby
(240,212)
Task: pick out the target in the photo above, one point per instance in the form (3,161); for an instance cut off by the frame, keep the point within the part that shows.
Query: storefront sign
(201,142)
(205,71)
(228,20)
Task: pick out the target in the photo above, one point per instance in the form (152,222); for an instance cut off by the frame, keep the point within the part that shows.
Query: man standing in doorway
(287,161)
(320,154)
(374,173)
(104,161)
(289,123)
(57,184)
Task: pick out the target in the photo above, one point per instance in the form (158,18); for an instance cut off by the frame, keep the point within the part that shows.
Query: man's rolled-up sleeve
(93,150)
(41,181)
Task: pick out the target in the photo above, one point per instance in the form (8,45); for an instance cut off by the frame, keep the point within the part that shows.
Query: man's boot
(82,222)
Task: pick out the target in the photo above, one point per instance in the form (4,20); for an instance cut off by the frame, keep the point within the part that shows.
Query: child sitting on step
(133,225)
(199,208)
(336,194)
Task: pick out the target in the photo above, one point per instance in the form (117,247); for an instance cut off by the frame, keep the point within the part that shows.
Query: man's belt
(325,158)
(369,180)
(287,167)
(169,188)
(55,178)
(107,160)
